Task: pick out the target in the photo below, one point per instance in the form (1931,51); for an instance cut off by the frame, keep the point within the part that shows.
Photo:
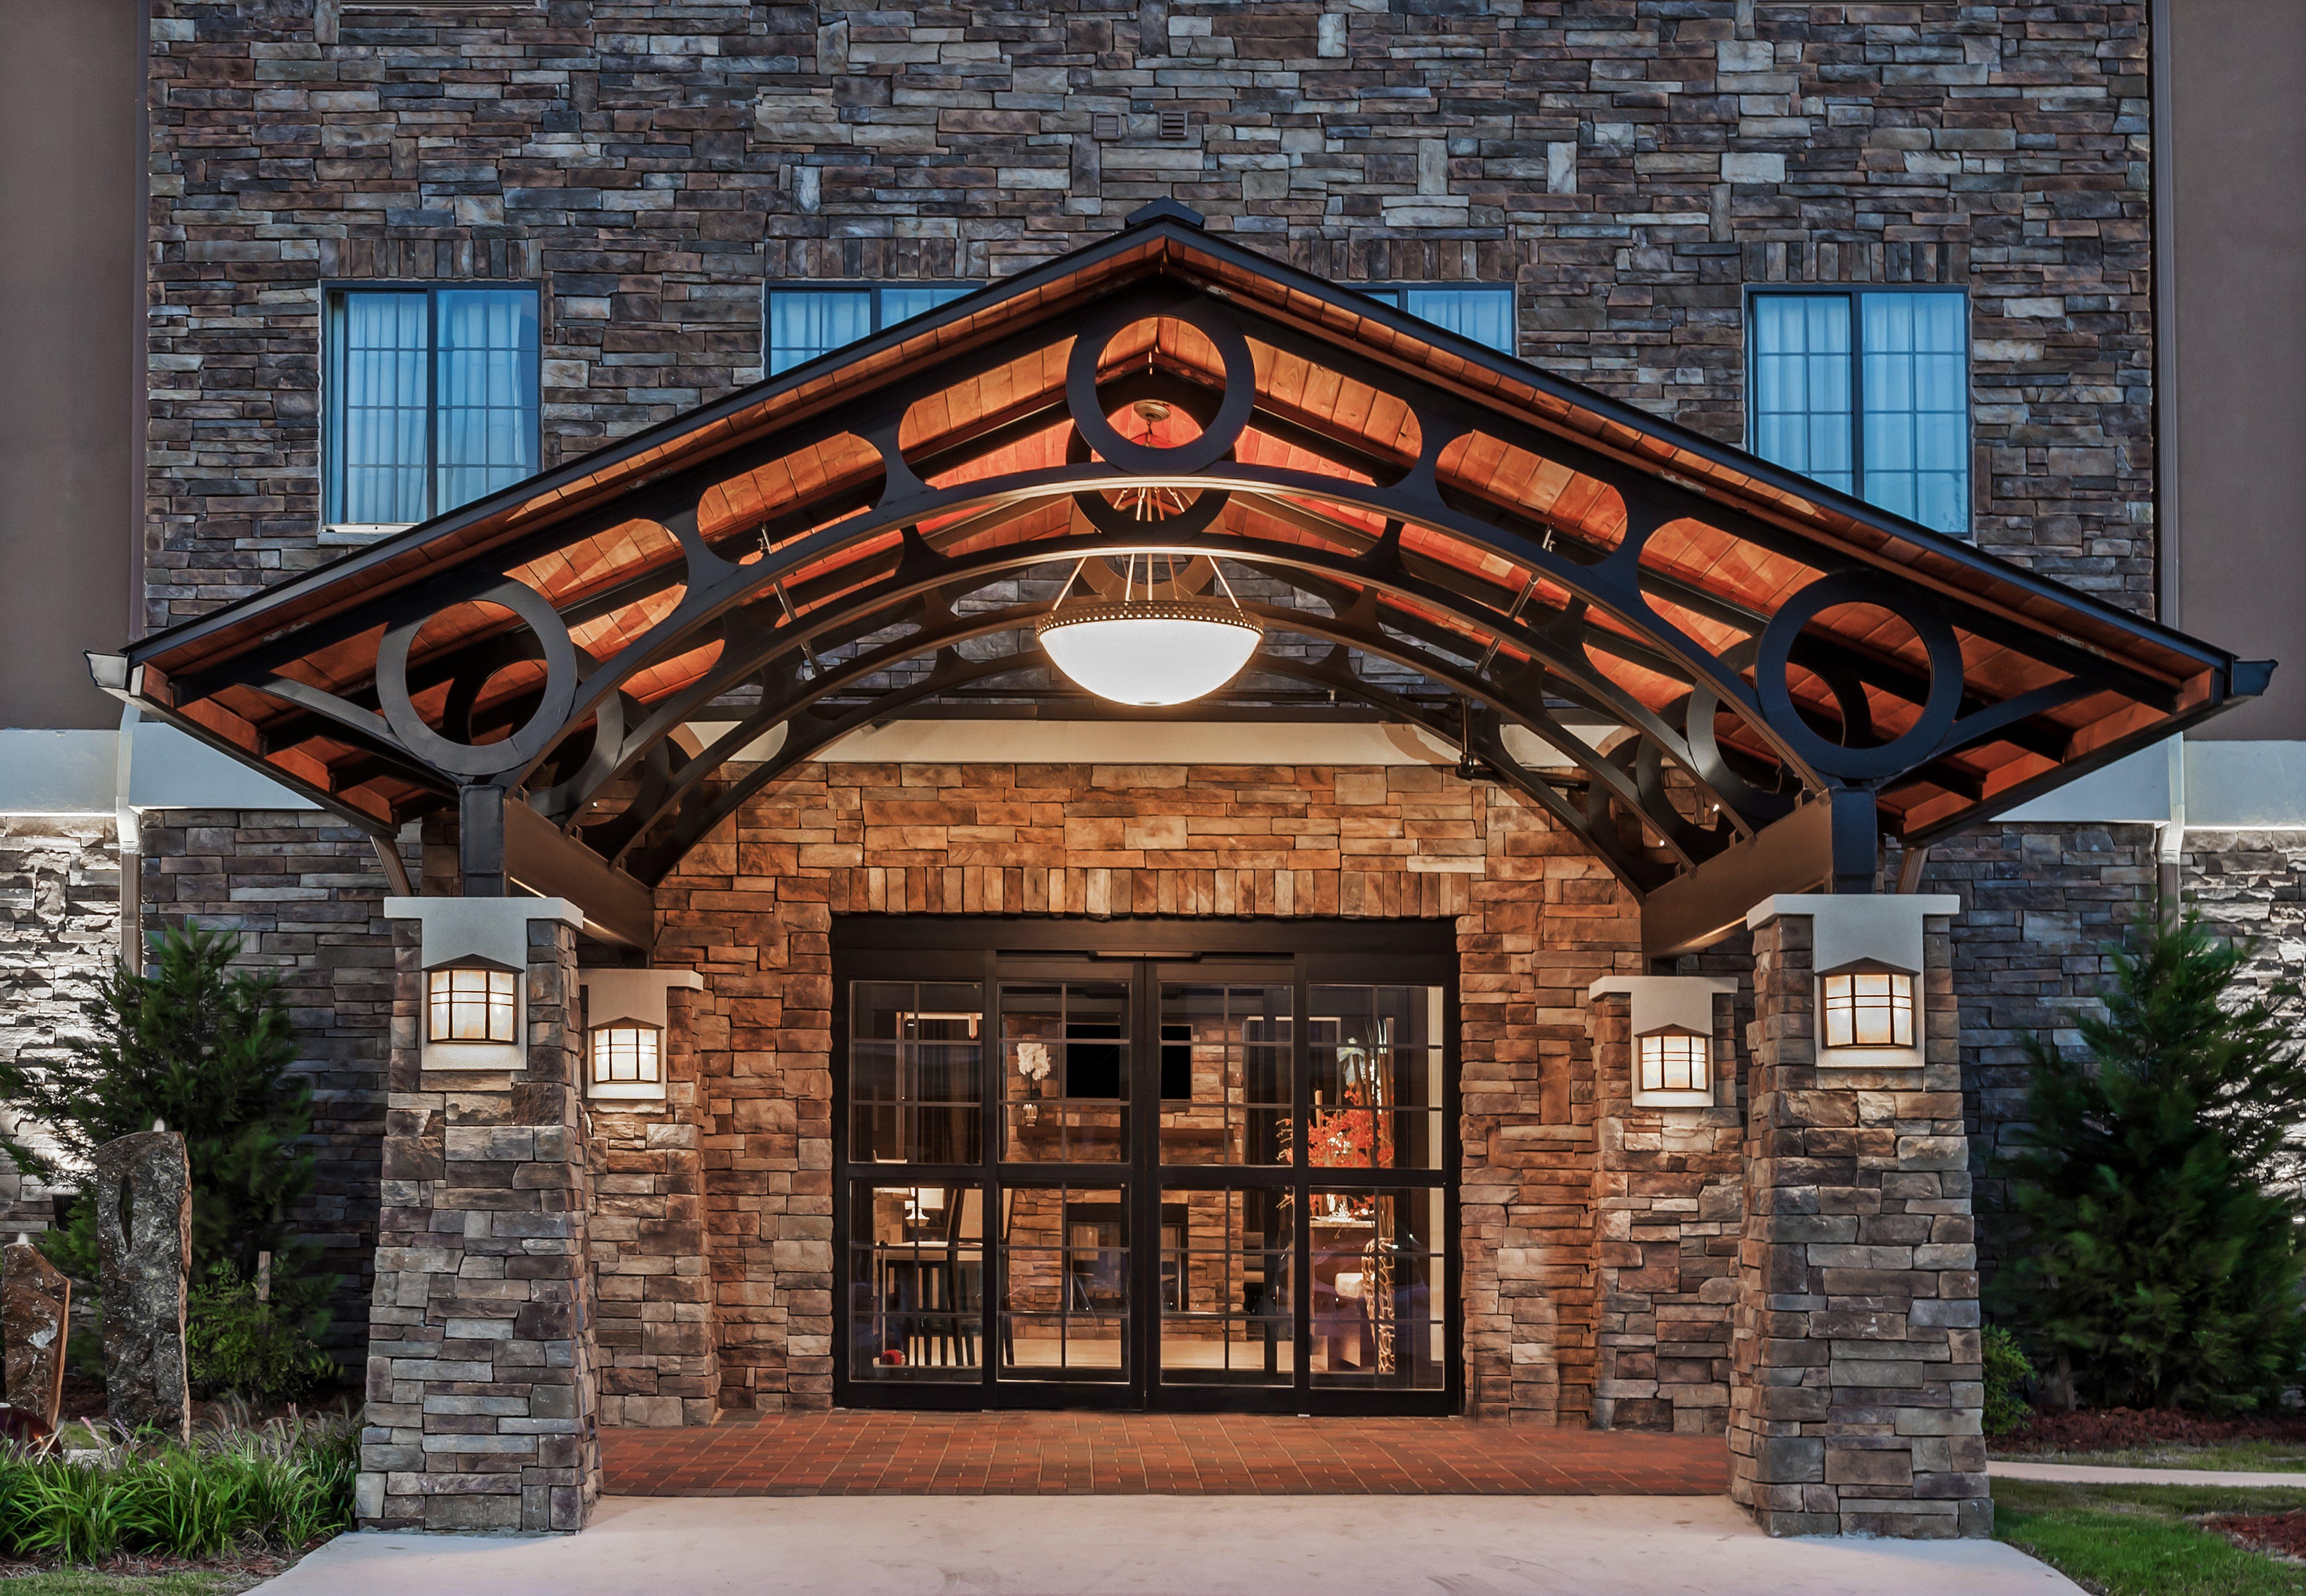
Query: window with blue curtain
(1867,390)
(1482,312)
(432,399)
(807,320)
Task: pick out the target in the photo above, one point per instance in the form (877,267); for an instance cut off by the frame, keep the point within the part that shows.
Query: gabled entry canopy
(1722,677)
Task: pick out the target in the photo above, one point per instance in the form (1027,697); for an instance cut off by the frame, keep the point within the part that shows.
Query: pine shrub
(2156,1256)
(205,1049)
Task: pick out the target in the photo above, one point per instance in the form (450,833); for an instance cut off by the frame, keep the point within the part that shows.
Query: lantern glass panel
(472,1004)
(1869,1008)
(1675,1062)
(627,1054)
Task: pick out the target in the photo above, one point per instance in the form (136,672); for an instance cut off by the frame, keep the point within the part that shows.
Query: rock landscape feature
(35,1321)
(144,1227)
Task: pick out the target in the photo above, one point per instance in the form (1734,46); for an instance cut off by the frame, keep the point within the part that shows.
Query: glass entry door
(1156,1180)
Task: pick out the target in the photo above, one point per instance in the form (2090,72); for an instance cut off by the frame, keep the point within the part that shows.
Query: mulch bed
(2284,1534)
(244,1571)
(2116,1430)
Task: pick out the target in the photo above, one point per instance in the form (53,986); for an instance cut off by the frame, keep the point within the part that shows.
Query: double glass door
(1214,1182)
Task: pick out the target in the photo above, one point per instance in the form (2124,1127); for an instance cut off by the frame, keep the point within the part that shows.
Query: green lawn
(2288,1457)
(2134,1539)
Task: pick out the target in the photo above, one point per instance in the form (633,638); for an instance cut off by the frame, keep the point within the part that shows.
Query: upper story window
(807,320)
(432,399)
(1867,390)
(1482,312)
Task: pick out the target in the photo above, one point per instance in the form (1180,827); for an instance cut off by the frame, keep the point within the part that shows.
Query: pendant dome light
(1148,650)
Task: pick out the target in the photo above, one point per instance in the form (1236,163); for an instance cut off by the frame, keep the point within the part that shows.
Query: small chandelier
(1145,650)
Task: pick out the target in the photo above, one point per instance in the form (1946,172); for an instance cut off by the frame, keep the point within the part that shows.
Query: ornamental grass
(285,1484)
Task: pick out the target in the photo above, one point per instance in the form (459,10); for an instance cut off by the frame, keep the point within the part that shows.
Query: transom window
(432,399)
(807,320)
(1482,312)
(471,1003)
(1867,390)
(1869,1008)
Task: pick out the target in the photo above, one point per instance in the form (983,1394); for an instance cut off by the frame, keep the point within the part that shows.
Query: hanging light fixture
(1148,650)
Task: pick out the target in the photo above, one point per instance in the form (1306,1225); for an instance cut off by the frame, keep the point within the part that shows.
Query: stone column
(658,1334)
(1857,1405)
(1667,1208)
(482,1397)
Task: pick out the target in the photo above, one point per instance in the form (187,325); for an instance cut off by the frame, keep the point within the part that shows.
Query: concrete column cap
(1846,927)
(1660,1002)
(494,928)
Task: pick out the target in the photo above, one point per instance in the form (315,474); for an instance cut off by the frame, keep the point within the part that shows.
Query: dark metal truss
(822,654)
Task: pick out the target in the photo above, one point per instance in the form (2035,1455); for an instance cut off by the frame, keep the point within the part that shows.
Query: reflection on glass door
(1377,1288)
(1376,1078)
(1140,1181)
(1226,1318)
(1066,1075)
(1064,1274)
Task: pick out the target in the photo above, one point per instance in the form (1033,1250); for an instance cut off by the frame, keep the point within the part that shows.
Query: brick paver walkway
(1077,1454)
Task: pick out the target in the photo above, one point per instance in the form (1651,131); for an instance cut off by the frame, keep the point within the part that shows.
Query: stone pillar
(144,1232)
(1667,1208)
(482,1397)
(658,1334)
(1857,1405)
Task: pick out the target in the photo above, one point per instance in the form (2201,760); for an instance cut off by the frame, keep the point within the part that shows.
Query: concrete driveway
(1164,1546)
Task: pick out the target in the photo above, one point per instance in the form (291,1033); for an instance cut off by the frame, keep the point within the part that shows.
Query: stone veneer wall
(1858,1398)
(59,932)
(1669,1219)
(482,1388)
(1537,920)
(305,891)
(656,1336)
(1632,169)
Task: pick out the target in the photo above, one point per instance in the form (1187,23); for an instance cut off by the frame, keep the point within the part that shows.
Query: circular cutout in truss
(1773,660)
(1224,429)
(478,759)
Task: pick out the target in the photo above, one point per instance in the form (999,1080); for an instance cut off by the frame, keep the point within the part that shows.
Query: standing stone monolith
(144,1224)
(35,1317)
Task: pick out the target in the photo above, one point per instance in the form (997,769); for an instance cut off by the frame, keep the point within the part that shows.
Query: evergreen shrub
(205,1049)
(2156,1257)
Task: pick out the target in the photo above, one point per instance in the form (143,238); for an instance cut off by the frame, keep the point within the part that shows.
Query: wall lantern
(1867,1005)
(472,1002)
(1674,1060)
(625,1055)
(1868,950)
(628,1053)
(473,960)
(1150,647)
(1671,1024)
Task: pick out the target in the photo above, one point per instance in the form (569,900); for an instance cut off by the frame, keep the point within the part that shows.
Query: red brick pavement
(1078,1453)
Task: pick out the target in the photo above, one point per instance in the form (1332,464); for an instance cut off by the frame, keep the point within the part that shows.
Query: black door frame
(987,949)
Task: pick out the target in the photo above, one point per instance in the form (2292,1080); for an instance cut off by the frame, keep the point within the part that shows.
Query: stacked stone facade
(1631,170)
(657,1335)
(483,1391)
(1669,1217)
(59,932)
(1857,1396)
(1537,920)
(304,893)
